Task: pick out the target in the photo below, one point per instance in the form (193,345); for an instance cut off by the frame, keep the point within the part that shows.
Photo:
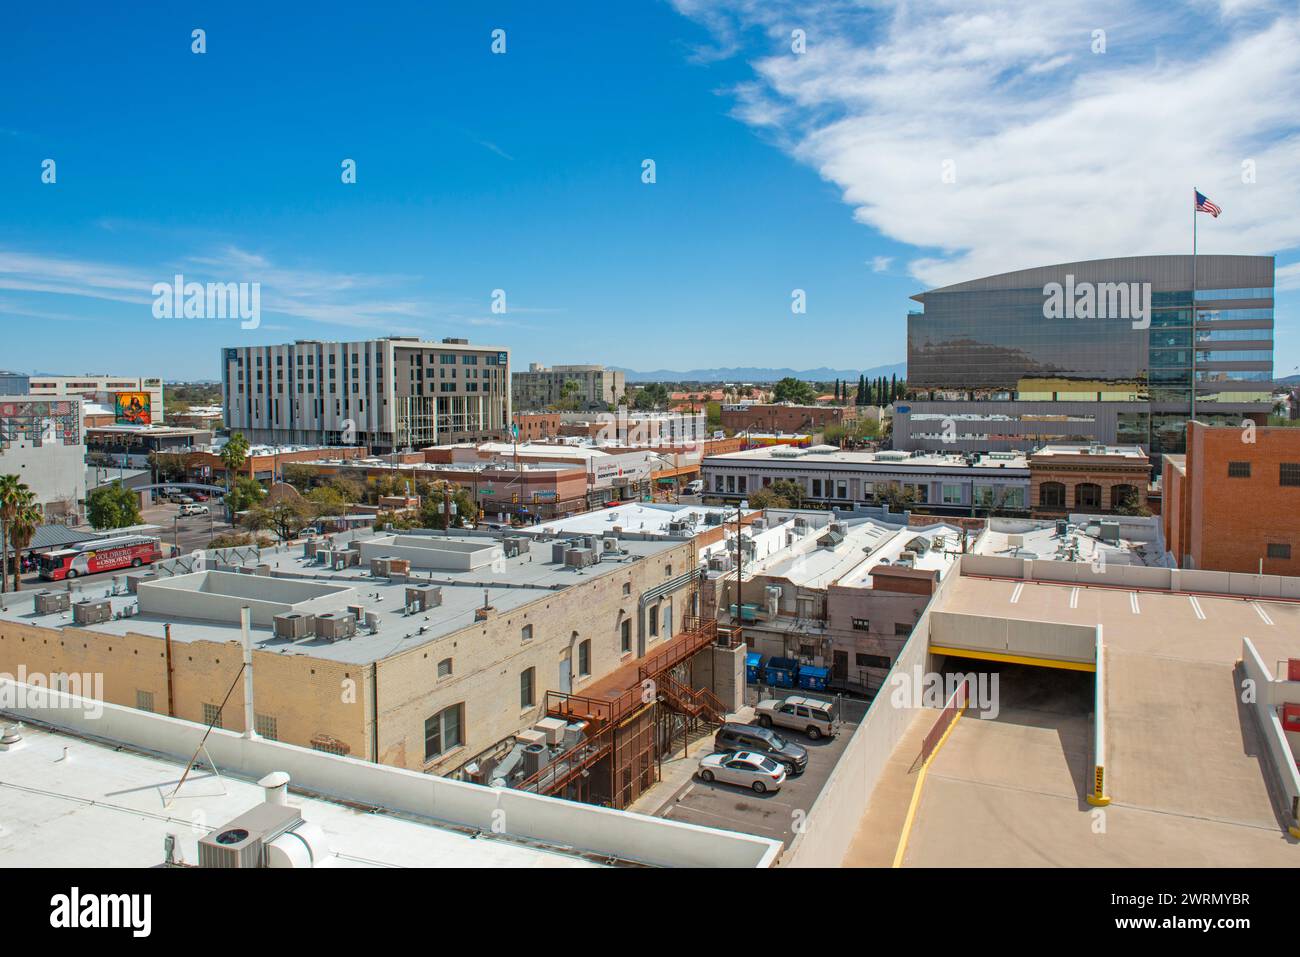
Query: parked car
(695,488)
(199,496)
(193,508)
(755,771)
(733,736)
(812,716)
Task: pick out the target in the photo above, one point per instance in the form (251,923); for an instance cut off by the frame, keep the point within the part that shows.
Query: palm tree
(11,489)
(26,519)
(233,455)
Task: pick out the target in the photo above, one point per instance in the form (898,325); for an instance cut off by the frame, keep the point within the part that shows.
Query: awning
(56,536)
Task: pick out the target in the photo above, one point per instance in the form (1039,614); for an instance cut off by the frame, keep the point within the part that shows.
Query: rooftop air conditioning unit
(423,597)
(333,626)
(51,602)
(244,842)
(773,596)
(372,621)
(293,626)
(133,582)
(381,567)
(536,757)
(610,544)
(580,557)
(357,611)
(324,556)
(92,612)
(553,728)
(557,552)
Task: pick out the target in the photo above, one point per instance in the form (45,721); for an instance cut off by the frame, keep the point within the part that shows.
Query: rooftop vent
(92,612)
(293,626)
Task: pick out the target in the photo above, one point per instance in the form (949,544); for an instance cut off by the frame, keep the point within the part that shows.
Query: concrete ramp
(1182,743)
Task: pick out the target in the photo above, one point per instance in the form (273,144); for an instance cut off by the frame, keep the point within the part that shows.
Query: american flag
(1203,204)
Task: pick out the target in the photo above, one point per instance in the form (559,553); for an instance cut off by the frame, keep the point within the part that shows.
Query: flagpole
(1194,192)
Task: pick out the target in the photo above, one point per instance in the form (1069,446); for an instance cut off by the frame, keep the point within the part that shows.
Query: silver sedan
(750,770)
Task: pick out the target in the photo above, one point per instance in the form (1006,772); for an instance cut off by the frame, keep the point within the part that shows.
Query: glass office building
(1133,344)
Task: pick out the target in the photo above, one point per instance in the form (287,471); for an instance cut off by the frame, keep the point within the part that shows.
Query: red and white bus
(101,555)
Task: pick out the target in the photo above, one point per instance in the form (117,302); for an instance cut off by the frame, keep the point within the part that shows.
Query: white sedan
(745,768)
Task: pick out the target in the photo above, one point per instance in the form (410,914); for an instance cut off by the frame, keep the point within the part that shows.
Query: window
(584,657)
(1050,494)
(668,571)
(902,629)
(266,726)
(951,494)
(1238,470)
(625,634)
(444,668)
(527,633)
(212,715)
(526,682)
(1276,550)
(873,661)
(330,747)
(654,621)
(807,651)
(627,588)
(144,700)
(442,732)
(861,624)
(1289,474)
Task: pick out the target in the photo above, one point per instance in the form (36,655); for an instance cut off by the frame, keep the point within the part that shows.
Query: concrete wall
(835,815)
(1270,726)
(586,828)
(218,596)
(1134,576)
(1037,639)
(428,552)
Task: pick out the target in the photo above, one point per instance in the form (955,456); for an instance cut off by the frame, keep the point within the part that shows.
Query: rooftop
(641,518)
(829,455)
(95,784)
(204,605)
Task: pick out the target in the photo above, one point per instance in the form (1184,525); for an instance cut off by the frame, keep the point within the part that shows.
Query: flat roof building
(1113,351)
(584,386)
(941,483)
(1232,503)
(134,400)
(392,393)
(43,443)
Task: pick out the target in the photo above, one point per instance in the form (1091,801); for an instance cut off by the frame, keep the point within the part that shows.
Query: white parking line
(1259,610)
(1133,602)
(1074,598)
(1196,607)
(1015,595)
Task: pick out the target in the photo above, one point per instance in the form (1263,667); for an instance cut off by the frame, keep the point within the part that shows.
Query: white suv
(813,717)
(193,509)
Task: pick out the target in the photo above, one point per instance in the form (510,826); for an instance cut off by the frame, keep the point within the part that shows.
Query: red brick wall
(1229,522)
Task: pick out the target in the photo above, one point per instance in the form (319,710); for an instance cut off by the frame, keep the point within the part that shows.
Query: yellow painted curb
(1013,659)
(1295,832)
(916,793)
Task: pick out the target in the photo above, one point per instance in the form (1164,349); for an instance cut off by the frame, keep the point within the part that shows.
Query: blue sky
(522,172)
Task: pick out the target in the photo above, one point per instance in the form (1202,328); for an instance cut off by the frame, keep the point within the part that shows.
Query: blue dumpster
(753,667)
(813,678)
(781,672)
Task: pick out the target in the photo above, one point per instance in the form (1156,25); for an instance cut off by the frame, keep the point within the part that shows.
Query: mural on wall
(40,422)
(131,408)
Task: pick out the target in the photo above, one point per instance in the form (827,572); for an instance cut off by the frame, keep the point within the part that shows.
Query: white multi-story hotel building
(390,393)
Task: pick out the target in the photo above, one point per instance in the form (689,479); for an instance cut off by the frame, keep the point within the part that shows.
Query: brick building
(535,426)
(1232,503)
(781,417)
(1088,478)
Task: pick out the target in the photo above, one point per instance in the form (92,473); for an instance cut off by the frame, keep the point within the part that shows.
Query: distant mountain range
(759,374)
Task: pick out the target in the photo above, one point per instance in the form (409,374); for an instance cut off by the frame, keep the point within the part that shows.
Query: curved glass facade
(1006,338)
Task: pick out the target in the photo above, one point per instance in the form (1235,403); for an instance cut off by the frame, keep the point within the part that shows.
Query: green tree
(26,519)
(112,506)
(327,500)
(11,493)
(244,494)
(766,498)
(652,395)
(431,507)
(233,455)
(789,491)
(285,517)
(793,390)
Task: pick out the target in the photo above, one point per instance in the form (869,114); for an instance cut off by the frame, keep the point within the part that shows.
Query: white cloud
(881,263)
(1059,153)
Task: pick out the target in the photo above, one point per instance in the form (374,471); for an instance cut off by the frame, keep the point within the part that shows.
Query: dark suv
(748,737)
